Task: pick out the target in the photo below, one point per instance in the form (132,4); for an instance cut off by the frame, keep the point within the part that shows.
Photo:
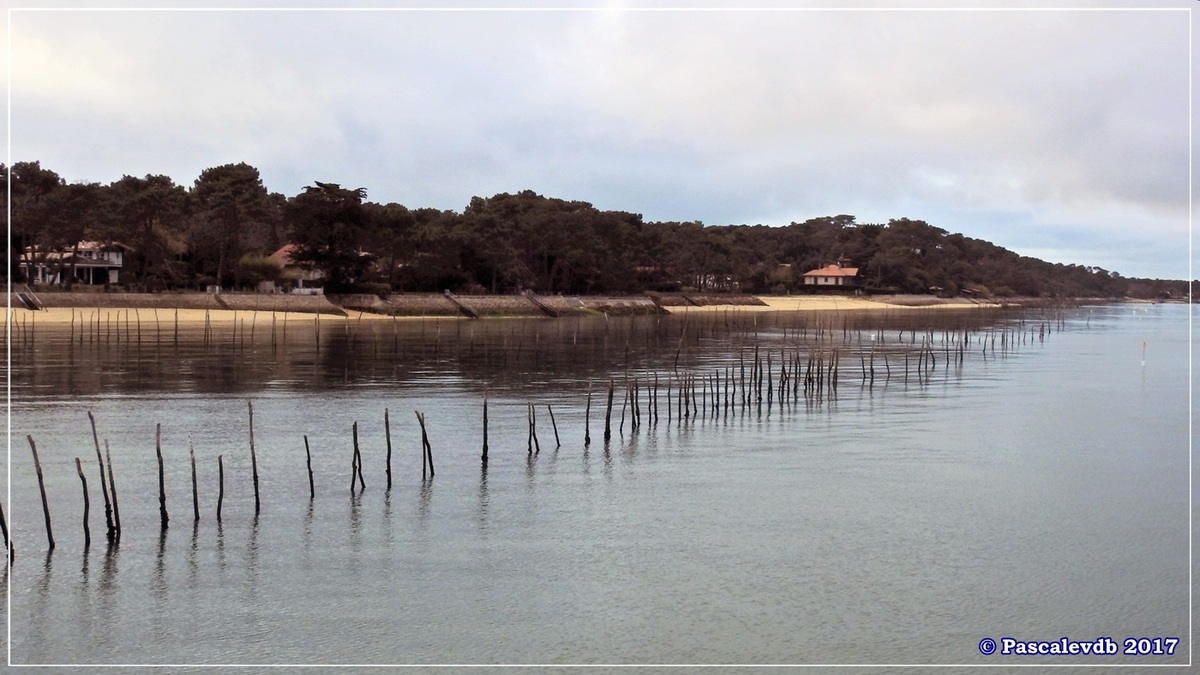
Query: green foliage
(232,214)
(253,269)
(329,227)
(507,243)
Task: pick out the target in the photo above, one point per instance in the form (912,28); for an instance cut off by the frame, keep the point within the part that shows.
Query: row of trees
(219,230)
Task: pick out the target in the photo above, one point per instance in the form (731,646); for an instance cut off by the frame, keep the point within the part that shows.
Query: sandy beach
(835,303)
(166,318)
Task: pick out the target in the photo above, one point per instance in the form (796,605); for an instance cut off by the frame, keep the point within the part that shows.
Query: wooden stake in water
(357,461)
(426,448)
(4,529)
(484,455)
(557,443)
(108,519)
(112,488)
(162,486)
(253,456)
(387,435)
(87,532)
(37,466)
(220,485)
(195,490)
(608,414)
(312,490)
(587,420)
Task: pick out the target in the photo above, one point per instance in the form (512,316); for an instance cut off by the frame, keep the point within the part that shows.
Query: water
(1038,490)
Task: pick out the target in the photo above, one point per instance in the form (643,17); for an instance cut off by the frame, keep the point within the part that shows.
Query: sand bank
(190,310)
(834,303)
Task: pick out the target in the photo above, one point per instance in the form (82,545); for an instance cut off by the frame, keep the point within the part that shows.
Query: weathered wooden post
(484,456)
(537,447)
(587,420)
(357,462)
(112,488)
(37,466)
(195,490)
(557,443)
(162,485)
(253,456)
(87,532)
(111,532)
(427,450)
(4,527)
(220,485)
(387,435)
(312,490)
(608,414)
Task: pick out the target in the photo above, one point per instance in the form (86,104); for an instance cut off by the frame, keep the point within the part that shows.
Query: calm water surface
(1036,488)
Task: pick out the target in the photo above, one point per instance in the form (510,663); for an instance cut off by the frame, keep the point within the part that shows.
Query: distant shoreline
(66,308)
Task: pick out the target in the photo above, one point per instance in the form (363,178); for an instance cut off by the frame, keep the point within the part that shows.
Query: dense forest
(222,228)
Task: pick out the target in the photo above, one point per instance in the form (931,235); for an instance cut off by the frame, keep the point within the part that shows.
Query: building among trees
(832,275)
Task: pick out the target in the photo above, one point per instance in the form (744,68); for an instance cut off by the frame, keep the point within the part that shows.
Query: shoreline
(165,310)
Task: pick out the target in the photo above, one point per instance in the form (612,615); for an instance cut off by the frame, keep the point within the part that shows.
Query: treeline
(221,229)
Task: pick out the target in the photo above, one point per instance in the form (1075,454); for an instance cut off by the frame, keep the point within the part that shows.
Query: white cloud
(721,117)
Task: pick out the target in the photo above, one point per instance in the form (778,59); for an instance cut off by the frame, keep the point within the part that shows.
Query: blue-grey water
(1036,487)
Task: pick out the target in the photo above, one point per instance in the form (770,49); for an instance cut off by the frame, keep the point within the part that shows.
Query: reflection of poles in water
(87,531)
(37,465)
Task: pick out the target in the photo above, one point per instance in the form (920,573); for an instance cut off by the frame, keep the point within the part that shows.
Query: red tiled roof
(284,255)
(833,271)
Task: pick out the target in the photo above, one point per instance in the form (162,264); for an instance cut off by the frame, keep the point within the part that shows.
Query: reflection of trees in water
(515,354)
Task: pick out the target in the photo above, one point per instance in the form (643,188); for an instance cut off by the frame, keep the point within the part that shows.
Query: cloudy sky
(1058,134)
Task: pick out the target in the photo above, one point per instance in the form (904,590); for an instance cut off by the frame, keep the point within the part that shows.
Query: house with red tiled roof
(832,275)
(290,271)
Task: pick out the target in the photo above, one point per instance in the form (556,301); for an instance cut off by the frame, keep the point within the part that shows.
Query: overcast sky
(1058,134)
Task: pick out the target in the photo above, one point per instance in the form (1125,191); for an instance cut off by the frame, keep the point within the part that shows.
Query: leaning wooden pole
(108,518)
(220,485)
(87,531)
(427,450)
(7,544)
(387,435)
(3,525)
(162,485)
(253,457)
(554,425)
(312,489)
(37,466)
(195,490)
(112,488)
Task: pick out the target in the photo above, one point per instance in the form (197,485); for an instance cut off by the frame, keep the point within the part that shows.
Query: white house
(93,263)
(832,275)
